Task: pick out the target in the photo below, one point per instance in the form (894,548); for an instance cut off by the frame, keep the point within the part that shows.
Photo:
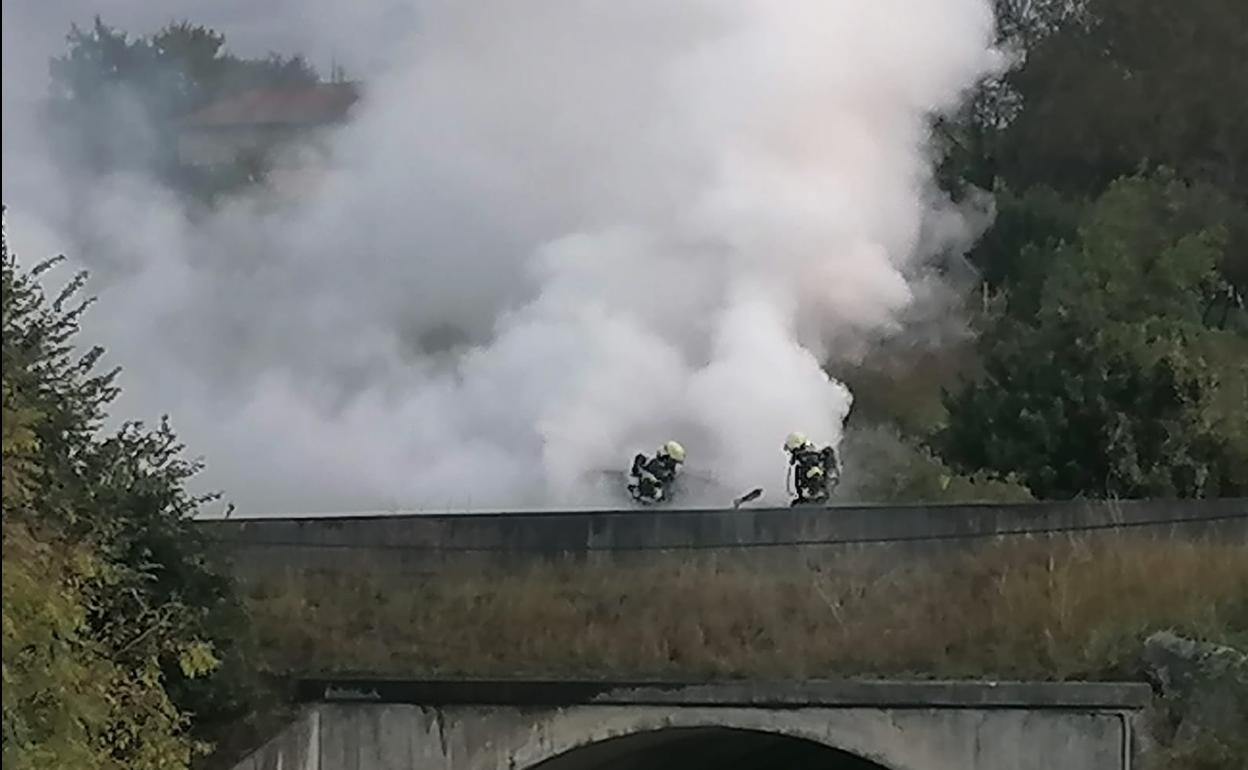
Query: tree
(1111,382)
(68,702)
(115,623)
(116,99)
(884,466)
(1039,218)
(1106,88)
(1123,84)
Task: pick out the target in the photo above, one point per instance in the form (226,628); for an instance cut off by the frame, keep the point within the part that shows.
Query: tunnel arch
(705,748)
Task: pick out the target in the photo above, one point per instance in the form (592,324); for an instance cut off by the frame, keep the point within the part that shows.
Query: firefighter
(651,477)
(814,472)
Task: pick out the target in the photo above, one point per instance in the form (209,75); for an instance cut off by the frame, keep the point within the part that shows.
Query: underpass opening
(706,748)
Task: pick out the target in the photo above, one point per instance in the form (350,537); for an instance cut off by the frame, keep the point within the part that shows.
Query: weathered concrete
(860,725)
(420,539)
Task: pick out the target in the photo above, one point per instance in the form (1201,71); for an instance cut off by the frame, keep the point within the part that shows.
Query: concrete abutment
(738,726)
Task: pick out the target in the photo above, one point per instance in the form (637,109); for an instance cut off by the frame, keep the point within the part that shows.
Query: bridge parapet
(421,540)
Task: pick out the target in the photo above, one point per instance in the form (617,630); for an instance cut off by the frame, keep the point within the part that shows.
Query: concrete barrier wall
(416,540)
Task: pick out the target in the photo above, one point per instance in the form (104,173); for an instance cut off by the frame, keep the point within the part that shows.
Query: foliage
(1204,752)
(1117,84)
(68,700)
(883,466)
(115,623)
(1114,355)
(1025,223)
(117,98)
(1106,89)
(1109,386)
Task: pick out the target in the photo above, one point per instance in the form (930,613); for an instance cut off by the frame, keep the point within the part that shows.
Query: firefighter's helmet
(674,450)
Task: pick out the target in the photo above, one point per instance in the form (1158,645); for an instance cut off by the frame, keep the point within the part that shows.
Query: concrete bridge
(426,539)
(848,725)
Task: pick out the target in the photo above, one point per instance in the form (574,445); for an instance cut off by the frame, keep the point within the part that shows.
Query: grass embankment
(1071,609)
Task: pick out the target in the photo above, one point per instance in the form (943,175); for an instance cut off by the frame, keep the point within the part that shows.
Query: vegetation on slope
(1028,609)
(1070,609)
(116,630)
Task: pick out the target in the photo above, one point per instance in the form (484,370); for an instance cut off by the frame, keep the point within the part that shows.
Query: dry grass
(1026,609)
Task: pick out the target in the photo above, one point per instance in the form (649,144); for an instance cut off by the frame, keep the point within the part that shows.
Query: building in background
(275,135)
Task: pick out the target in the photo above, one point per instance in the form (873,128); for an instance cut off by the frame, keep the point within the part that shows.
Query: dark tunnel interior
(706,748)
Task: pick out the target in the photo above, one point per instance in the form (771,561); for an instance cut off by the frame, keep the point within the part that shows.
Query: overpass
(846,725)
(854,725)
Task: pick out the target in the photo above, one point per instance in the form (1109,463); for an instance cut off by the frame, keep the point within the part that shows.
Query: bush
(115,623)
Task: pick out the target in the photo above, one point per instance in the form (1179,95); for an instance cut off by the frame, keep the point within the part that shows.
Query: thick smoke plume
(557,233)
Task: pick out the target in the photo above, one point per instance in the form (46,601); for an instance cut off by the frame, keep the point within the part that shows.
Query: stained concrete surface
(745,726)
(416,540)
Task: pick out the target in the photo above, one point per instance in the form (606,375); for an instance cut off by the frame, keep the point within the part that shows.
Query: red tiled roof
(301,105)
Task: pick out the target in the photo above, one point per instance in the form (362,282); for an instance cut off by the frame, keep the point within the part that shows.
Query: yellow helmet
(673,450)
(795,441)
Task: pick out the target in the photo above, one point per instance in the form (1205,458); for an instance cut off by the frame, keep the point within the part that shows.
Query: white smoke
(559,233)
